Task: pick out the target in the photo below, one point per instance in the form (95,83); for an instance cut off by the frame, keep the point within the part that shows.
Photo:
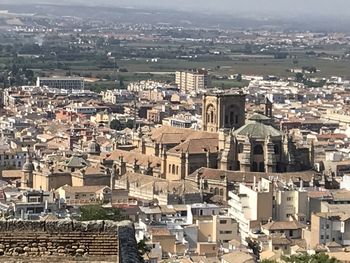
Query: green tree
(129,124)
(143,248)
(97,212)
(29,74)
(305,258)
(299,77)
(116,125)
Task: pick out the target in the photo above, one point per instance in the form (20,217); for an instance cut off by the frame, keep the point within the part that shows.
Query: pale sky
(289,7)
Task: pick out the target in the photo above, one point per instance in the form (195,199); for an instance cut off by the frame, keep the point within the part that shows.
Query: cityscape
(145,132)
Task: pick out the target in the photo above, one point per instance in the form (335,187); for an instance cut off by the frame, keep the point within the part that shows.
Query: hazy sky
(288,7)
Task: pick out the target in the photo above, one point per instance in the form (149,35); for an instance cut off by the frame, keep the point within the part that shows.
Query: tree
(97,212)
(116,125)
(305,258)
(143,248)
(299,77)
(129,124)
(29,74)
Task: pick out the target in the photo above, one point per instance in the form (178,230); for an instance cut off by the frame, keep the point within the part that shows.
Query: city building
(192,81)
(66,83)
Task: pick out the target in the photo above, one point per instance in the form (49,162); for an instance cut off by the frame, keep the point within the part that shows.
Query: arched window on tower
(173,169)
(276,149)
(258,149)
(211,118)
(231,115)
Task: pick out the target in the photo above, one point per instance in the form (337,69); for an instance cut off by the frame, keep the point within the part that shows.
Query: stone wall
(66,238)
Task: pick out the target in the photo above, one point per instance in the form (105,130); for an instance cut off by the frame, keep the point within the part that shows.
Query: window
(289,198)
(173,169)
(276,149)
(177,169)
(240,147)
(258,149)
(327,236)
(206,184)
(222,221)
(322,236)
(222,192)
(327,226)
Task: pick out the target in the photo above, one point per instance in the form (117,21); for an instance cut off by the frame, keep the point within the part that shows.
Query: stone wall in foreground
(66,238)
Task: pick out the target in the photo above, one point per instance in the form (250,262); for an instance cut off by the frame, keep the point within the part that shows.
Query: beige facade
(223,111)
(291,202)
(192,81)
(219,230)
(328,227)
(84,194)
(251,206)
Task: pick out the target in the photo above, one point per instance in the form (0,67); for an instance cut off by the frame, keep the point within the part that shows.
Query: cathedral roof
(76,161)
(257,129)
(172,135)
(193,146)
(129,157)
(259,117)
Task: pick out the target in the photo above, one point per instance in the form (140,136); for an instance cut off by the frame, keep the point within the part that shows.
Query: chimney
(301,184)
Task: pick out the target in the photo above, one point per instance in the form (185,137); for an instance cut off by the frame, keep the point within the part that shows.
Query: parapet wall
(66,238)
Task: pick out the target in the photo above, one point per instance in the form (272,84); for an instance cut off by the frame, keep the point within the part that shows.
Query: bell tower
(223,110)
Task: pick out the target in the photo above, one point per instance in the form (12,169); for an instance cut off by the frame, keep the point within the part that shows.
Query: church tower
(223,110)
(27,172)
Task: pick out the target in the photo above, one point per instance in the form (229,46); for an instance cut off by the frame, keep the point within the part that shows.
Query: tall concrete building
(192,81)
(68,83)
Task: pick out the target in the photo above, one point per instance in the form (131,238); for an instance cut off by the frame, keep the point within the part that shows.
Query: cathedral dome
(28,166)
(94,147)
(258,127)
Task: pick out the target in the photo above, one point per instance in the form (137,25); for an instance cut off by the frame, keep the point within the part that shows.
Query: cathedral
(252,144)
(228,141)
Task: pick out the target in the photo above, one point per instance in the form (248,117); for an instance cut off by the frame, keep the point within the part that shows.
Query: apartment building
(251,206)
(291,202)
(192,81)
(219,229)
(328,227)
(68,83)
